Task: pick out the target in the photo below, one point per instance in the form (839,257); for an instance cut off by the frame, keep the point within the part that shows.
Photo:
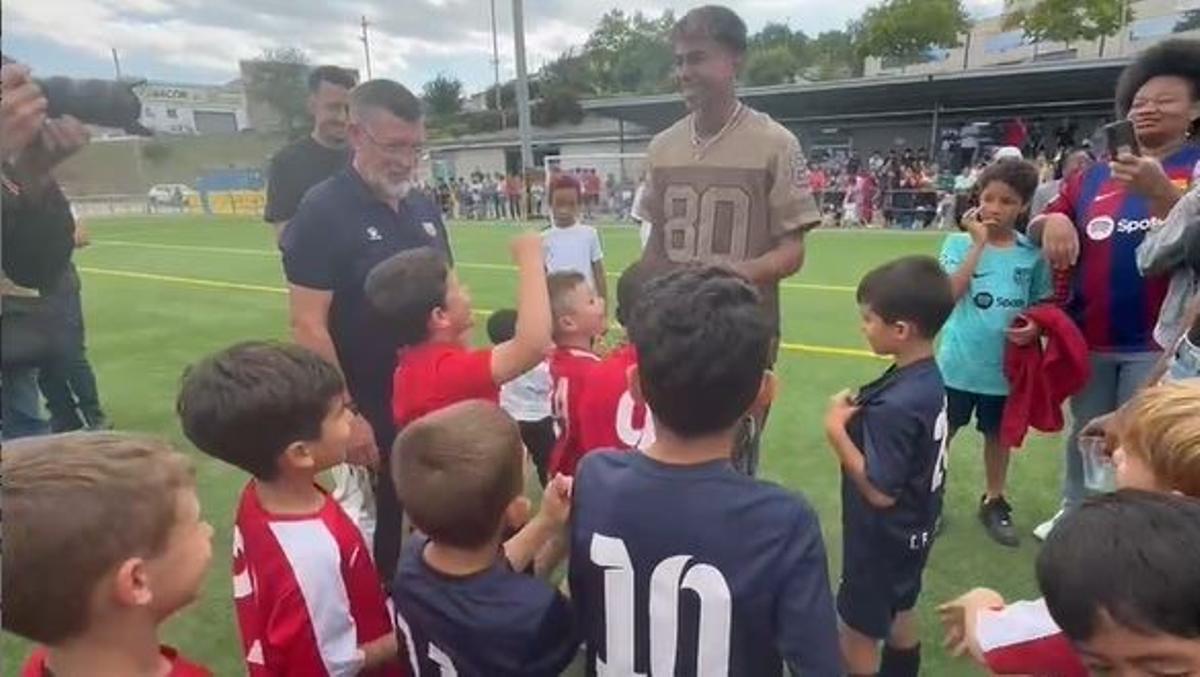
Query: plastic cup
(1099,473)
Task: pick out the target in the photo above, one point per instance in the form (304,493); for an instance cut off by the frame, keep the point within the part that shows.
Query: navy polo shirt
(341,231)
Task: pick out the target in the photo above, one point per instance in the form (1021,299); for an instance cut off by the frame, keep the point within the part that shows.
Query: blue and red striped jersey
(1110,300)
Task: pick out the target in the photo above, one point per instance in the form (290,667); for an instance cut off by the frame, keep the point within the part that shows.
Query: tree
(907,29)
(773,65)
(278,78)
(443,95)
(835,55)
(1188,21)
(629,53)
(1068,21)
(776,54)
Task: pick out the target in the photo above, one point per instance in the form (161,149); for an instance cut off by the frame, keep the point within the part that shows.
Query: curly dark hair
(1019,175)
(1179,57)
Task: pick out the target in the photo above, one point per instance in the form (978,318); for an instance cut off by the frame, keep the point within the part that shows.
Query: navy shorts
(988,410)
(874,589)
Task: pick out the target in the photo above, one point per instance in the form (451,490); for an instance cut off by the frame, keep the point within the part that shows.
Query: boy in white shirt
(568,244)
(526,398)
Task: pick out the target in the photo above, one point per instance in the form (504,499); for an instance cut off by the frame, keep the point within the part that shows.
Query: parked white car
(169,194)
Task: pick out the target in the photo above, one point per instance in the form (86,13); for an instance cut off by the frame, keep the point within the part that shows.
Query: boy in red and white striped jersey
(308,598)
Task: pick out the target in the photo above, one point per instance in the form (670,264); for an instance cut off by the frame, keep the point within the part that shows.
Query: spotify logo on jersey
(984,300)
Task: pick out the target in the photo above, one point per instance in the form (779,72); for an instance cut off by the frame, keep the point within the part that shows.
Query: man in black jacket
(38,237)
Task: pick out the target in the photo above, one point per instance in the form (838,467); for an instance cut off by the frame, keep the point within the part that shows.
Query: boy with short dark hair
(890,439)
(996,274)
(307,594)
(103,541)
(418,295)
(461,606)
(579,321)
(1150,543)
(674,522)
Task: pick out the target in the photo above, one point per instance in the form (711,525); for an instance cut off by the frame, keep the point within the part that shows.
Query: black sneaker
(996,516)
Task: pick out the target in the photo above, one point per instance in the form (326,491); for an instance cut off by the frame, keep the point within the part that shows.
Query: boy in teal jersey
(996,273)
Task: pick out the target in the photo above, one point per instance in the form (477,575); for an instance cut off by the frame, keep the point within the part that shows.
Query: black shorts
(988,410)
(874,589)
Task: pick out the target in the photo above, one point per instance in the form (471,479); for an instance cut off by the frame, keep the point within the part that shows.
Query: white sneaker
(1043,530)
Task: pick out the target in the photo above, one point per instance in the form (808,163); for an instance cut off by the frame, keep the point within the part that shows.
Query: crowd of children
(676,562)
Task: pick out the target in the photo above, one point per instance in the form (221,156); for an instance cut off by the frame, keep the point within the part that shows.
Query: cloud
(410,39)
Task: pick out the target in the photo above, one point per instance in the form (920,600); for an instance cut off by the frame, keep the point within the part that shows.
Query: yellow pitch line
(240,286)
(192,281)
(829,350)
(478,266)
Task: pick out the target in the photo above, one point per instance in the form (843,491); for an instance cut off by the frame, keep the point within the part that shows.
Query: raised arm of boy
(531,338)
(552,516)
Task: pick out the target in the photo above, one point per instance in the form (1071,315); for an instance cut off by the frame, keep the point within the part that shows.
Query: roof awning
(1026,89)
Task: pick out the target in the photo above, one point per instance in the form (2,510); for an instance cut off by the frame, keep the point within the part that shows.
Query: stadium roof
(1025,89)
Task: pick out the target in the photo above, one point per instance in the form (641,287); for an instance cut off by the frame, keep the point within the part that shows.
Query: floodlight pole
(366,40)
(522,87)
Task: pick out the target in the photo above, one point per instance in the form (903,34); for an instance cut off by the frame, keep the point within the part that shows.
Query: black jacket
(38,234)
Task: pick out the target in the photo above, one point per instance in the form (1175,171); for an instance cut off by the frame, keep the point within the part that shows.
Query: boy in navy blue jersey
(680,564)
(891,439)
(461,606)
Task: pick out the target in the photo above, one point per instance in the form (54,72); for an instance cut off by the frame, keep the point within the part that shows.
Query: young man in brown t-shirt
(726,184)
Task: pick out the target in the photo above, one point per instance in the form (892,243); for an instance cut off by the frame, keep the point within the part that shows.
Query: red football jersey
(432,376)
(35,666)
(609,418)
(570,370)
(306,592)
(1022,638)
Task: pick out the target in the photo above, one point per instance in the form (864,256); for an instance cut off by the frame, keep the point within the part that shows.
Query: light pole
(522,90)
(366,40)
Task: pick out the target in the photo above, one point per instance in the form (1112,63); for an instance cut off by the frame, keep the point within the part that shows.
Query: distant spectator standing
(1073,162)
(513,188)
(491,202)
(306,162)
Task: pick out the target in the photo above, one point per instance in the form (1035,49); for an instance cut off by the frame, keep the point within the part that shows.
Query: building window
(930,55)
(1004,42)
(1162,26)
(171,113)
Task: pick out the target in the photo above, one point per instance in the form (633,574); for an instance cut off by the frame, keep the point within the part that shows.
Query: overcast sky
(411,40)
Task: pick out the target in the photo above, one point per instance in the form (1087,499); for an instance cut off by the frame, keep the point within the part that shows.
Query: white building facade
(186,109)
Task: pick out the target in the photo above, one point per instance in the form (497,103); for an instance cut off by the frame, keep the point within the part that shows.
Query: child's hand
(1100,426)
(556,501)
(955,614)
(1024,333)
(841,408)
(975,226)
(526,247)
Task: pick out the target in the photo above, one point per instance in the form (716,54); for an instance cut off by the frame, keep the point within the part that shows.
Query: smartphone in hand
(1121,139)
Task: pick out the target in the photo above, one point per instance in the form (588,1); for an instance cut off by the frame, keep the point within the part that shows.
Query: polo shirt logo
(373,234)
(430,229)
